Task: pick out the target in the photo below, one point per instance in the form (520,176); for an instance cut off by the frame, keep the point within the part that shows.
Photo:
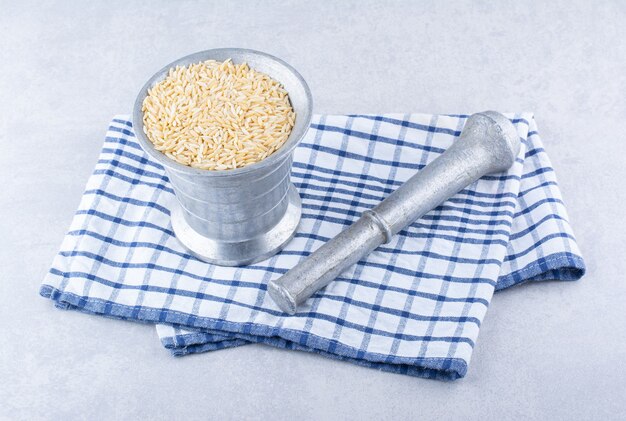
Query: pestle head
(496,135)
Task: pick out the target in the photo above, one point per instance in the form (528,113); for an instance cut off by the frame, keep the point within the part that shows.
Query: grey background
(552,351)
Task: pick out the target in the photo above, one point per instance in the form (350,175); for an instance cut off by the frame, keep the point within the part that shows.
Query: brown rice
(217,115)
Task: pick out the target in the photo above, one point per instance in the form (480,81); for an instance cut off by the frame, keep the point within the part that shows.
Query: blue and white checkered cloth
(414,306)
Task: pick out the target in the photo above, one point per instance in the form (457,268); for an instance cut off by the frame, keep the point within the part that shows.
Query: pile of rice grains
(217,115)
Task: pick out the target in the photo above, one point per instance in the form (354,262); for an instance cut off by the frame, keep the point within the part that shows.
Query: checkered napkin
(414,306)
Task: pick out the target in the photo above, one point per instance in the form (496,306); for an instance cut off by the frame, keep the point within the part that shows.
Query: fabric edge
(432,368)
(562,266)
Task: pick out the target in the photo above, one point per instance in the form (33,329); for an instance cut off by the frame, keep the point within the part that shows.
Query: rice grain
(217,115)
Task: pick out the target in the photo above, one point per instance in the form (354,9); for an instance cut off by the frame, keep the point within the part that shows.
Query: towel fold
(413,306)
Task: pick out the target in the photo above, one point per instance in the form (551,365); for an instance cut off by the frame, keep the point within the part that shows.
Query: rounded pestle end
(498,136)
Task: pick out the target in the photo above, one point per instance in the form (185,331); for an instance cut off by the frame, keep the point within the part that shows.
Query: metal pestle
(489,143)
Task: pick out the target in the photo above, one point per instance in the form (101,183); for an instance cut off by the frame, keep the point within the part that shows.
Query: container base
(239,253)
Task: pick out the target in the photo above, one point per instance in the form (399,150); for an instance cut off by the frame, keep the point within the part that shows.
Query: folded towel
(414,306)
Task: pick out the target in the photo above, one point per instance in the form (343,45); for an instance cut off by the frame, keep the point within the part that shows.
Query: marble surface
(545,351)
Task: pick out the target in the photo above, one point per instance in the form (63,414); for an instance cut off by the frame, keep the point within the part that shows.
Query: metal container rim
(282,153)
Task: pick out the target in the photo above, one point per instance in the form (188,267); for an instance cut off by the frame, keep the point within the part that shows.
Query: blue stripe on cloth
(414,306)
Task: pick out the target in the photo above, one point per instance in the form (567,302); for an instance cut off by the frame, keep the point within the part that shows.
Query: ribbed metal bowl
(244,215)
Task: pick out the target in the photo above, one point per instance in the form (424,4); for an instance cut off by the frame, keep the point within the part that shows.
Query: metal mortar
(240,216)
